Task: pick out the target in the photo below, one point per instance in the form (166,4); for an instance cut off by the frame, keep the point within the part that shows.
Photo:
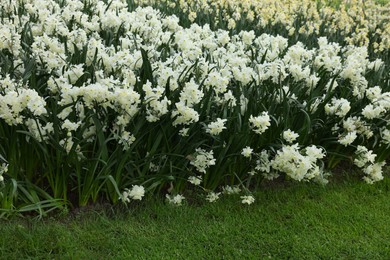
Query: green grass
(348,220)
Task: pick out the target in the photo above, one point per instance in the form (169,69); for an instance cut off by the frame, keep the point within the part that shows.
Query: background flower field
(114,100)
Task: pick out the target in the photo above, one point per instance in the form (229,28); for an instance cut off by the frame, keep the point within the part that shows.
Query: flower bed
(100,102)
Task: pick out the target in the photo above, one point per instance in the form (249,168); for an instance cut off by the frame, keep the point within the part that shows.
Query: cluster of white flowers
(126,139)
(230,190)
(212,196)
(260,123)
(202,160)
(339,107)
(215,128)
(155,69)
(352,127)
(290,136)
(155,107)
(380,103)
(263,165)
(148,29)
(249,199)
(136,193)
(176,200)
(365,159)
(298,164)
(196,180)
(353,21)
(14,102)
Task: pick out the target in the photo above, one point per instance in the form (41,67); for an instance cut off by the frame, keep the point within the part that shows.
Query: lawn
(348,220)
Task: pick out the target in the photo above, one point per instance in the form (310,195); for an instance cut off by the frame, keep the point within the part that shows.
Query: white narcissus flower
(247,152)
(184,132)
(126,139)
(373,93)
(348,138)
(247,199)
(175,200)
(260,123)
(315,153)
(373,111)
(248,37)
(137,192)
(125,196)
(215,128)
(202,160)
(339,107)
(196,180)
(212,196)
(296,165)
(374,172)
(290,136)
(364,156)
(70,126)
(231,190)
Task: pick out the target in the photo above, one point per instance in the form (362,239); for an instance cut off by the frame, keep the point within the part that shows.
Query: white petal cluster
(365,159)
(247,199)
(216,127)
(339,107)
(196,180)
(290,136)
(155,107)
(202,160)
(298,164)
(230,190)
(212,196)
(176,200)
(260,124)
(136,193)
(247,152)
(14,103)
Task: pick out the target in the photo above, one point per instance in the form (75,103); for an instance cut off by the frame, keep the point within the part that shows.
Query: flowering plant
(99,102)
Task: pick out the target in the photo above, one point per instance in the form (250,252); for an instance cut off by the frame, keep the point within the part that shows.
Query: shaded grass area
(298,220)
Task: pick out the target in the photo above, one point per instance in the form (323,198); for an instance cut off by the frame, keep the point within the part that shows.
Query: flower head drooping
(202,160)
(247,199)
(196,180)
(175,200)
(136,193)
(290,136)
(339,107)
(260,123)
(212,196)
(215,128)
(126,139)
(365,159)
(231,190)
(184,132)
